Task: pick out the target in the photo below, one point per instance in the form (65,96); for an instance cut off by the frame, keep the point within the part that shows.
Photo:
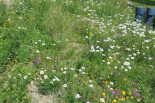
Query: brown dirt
(39,98)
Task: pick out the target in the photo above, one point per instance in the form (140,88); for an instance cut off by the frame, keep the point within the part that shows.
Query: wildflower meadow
(75,51)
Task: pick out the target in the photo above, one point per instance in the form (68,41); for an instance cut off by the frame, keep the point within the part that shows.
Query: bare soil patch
(36,97)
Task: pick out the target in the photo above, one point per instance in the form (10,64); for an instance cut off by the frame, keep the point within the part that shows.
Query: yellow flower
(111,60)
(90,33)
(108,76)
(125,79)
(122,99)
(114,101)
(131,97)
(107,59)
(103,94)
(106,82)
(123,92)
(130,93)
(138,100)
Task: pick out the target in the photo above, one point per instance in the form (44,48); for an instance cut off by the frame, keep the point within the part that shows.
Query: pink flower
(38,62)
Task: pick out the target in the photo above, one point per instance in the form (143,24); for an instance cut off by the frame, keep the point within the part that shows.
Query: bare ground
(39,98)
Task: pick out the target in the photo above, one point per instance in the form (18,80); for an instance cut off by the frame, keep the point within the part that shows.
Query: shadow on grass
(145,2)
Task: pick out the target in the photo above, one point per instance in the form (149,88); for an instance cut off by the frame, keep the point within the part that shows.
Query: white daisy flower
(126,70)
(134,54)
(65,85)
(102,100)
(57,79)
(90,81)
(19,27)
(54,79)
(83,68)
(45,76)
(64,72)
(25,77)
(80,70)
(77,96)
(129,67)
(111,89)
(127,58)
(86,37)
(41,72)
(43,43)
(111,83)
(108,62)
(48,58)
(72,68)
(103,60)
(51,82)
(83,73)
(126,63)
(91,85)
(37,51)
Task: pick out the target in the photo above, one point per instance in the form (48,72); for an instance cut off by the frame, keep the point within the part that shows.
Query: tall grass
(81,50)
(145,2)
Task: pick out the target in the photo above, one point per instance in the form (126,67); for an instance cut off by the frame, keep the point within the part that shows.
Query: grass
(145,3)
(83,51)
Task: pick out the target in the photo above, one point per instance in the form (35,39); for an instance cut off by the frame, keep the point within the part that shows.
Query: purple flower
(113,92)
(38,62)
(137,94)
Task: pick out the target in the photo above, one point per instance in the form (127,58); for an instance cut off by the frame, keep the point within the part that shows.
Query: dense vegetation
(144,2)
(84,51)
